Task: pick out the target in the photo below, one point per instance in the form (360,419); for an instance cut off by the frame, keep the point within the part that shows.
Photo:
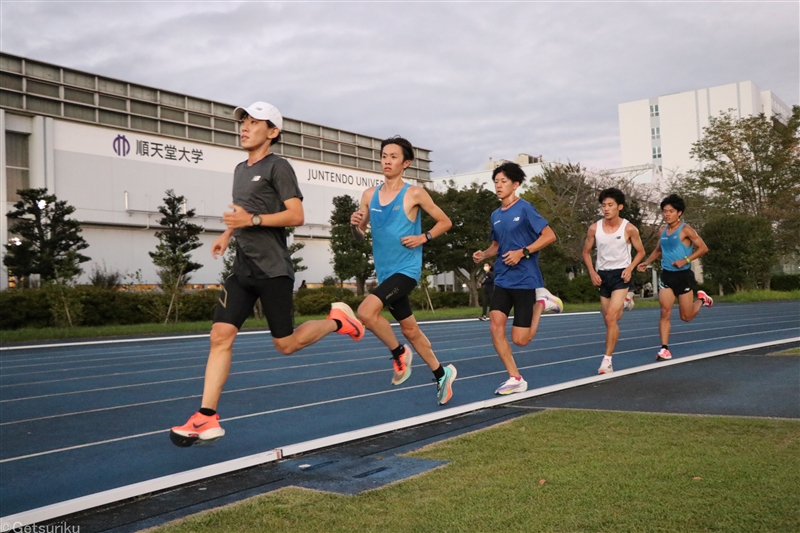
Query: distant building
(111,149)
(532,165)
(660,131)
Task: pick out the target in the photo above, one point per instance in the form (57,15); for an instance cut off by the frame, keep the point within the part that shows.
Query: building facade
(112,149)
(660,131)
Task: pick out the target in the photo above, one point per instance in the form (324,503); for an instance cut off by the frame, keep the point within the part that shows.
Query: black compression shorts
(394,292)
(239,295)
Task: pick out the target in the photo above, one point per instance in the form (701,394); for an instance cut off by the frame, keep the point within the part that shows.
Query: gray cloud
(467,80)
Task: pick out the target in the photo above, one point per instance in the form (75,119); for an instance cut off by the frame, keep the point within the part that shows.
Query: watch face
(256,220)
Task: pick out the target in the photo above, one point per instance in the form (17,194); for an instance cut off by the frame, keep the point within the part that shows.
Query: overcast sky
(468,80)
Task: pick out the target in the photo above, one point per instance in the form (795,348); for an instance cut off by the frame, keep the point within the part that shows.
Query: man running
(518,233)
(393,210)
(266,200)
(613,236)
(679,245)
(488,287)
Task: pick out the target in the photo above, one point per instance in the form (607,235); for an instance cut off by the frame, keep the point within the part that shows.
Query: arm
(491,251)
(587,255)
(700,248)
(653,256)
(359,219)
(220,244)
(636,240)
(546,238)
(292,216)
(421,198)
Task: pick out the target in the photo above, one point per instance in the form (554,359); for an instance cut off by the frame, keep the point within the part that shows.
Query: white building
(112,148)
(532,166)
(661,130)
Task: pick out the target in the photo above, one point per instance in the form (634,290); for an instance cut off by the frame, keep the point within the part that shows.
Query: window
(17,164)
(656,152)
(655,133)
(654,110)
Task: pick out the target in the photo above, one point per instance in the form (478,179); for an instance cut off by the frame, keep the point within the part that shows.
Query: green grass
(790,351)
(602,472)
(43,334)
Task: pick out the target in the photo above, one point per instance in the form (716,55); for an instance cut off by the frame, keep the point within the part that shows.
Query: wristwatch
(256,220)
(526,254)
(428,236)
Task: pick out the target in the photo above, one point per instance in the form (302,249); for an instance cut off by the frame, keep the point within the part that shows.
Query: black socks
(397,352)
(438,373)
(207,412)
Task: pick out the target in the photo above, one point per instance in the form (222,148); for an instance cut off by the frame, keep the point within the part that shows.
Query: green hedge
(785,282)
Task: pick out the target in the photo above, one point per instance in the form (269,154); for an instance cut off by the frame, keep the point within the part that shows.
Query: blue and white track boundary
(107,497)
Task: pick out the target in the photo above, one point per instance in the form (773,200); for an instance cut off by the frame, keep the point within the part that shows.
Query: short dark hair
(408,150)
(613,193)
(512,171)
(675,201)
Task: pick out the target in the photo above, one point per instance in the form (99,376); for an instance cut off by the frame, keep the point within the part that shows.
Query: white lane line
(205,335)
(145,487)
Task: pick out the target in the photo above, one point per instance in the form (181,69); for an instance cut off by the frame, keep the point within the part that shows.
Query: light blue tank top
(673,249)
(389,224)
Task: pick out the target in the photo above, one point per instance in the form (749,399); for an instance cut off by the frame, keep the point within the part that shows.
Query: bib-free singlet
(389,224)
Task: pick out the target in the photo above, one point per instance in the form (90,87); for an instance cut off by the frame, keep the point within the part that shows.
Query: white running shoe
(628,302)
(605,367)
(512,385)
(552,304)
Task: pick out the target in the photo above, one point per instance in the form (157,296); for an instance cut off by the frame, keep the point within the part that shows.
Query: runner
(680,245)
(266,200)
(488,289)
(393,210)
(614,236)
(518,233)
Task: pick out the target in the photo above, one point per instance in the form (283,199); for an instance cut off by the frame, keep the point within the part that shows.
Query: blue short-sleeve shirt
(515,228)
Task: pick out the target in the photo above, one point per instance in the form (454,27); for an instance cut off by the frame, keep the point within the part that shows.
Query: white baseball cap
(261,111)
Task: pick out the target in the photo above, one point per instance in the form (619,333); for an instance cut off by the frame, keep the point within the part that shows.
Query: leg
(219,363)
(498,328)
(667,298)
(688,306)
(419,341)
(369,312)
(612,311)
(538,309)
(307,334)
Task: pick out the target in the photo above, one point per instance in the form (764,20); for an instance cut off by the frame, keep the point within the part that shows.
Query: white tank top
(612,250)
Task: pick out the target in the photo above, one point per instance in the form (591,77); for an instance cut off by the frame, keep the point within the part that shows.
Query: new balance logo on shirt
(256,178)
(516,219)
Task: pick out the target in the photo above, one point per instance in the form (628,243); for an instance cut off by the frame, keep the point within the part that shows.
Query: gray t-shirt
(262,188)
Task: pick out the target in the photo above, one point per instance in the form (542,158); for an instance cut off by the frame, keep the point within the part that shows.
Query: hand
(219,246)
(596,279)
(512,257)
(356,218)
(238,218)
(412,241)
(642,267)
(680,263)
(478,256)
(626,275)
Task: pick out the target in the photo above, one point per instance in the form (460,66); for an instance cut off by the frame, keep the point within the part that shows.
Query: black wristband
(428,236)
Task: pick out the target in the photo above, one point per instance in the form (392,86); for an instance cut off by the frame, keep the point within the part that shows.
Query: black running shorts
(394,292)
(612,281)
(239,295)
(522,300)
(680,281)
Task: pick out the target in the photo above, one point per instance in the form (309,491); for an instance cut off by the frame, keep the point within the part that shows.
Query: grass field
(80,332)
(564,471)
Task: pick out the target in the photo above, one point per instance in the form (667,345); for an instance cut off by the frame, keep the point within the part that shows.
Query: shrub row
(785,282)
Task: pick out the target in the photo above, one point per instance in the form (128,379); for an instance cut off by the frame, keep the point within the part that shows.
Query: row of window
(654,110)
(656,152)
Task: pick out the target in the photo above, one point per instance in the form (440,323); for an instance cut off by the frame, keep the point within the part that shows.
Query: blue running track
(79,419)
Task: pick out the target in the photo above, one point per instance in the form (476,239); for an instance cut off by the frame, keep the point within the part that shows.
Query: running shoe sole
(447,385)
(407,374)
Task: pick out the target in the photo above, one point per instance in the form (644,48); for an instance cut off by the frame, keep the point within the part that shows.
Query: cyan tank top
(673,249)
(389,224)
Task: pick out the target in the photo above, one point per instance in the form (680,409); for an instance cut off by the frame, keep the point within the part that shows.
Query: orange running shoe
(350,324)
(402,366)
(199,428)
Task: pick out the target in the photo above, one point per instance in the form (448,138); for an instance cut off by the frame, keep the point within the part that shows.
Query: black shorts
(522,300)
(239,295)
(394,292)
(612,281)
(680,281)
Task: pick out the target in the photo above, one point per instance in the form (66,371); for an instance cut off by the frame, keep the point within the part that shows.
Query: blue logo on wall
(121,146)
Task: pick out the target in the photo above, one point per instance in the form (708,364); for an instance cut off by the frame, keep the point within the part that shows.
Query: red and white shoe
(708,301)
(198,428)
(350,324)
(663,355)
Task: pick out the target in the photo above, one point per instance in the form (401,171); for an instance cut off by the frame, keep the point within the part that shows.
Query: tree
(177,239)
(470,210)
(351,258)
(751,165)
(293,249)
(48,242)
(741,251)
